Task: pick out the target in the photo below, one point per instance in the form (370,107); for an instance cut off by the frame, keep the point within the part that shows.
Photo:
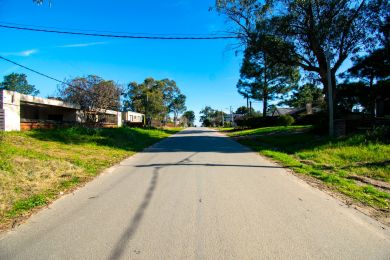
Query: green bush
(378,133)
(286,120)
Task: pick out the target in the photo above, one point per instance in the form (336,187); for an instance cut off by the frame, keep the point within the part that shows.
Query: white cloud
(25,53)
(78,45)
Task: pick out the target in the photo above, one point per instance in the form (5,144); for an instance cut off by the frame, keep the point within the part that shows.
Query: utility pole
(231,115)
(330,95)
(250,108)
(223,119)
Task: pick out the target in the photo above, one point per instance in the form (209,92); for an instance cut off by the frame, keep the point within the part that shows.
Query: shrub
(379,133)
(286,120)
(257,122)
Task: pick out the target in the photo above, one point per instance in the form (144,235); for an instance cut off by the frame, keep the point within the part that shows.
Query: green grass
(330,160)
(268,130)
(35,166)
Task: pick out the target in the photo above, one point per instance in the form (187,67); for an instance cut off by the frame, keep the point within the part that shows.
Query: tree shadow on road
(121,245)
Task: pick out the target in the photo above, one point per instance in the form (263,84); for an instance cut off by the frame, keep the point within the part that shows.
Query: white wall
(10,102)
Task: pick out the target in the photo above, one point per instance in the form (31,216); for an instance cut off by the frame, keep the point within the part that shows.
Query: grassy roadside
(37,166)
(335,162)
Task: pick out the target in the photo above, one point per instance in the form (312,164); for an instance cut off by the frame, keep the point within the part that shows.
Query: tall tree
(18,82)
(190,117)
(147,98)
(266,77)
(178,106)
(93,94)
(310,32)
(304,95)
(155,98)
(211,117)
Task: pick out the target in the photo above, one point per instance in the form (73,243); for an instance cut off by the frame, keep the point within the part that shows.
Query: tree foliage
(263,77)
(18,82)
(211,117)
(303,95)
(189,117)
(93,94)
(155,98)
(243,110)
(308,32)
(177,106)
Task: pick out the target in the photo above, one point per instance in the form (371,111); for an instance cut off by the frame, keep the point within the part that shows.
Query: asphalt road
(197,195)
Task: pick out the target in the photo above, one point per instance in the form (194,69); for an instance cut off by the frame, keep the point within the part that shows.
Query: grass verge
(37,166)
(332,161)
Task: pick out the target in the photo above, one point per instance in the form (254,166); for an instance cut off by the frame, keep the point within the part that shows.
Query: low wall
(29,125)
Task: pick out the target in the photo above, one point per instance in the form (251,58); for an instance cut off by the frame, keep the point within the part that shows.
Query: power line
(42,74)
(37,72)
(216,33)
(223,37)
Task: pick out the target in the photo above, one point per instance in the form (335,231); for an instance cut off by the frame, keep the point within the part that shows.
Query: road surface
(197,195)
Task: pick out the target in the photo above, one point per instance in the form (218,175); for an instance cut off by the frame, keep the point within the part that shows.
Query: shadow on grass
(128,139)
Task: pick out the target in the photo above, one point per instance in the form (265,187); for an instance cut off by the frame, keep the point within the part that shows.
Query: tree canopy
(93,94)
(18,82)
(155,98)
(189,117)
(307,33)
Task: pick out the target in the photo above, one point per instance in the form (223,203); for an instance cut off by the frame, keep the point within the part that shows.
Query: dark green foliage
(258,121)
(18,82)
(243,110)
(305,94)
(154,98)
(190,117)
(379,134)
(211,117)
(286,120)
(264,78)
(308,33)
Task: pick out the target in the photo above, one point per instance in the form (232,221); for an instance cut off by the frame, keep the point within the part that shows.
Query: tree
(207,114)
(304,95)
(18,82)
(369,69)
(211,117)
(265,77)
(352,94)
(243,110)
(147,98)
(375,66)
(309,33)
(93,94)
(177,106)
(155,98)
(189,117)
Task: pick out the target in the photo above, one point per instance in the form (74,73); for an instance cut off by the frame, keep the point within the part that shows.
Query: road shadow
(207,165)
(121,245)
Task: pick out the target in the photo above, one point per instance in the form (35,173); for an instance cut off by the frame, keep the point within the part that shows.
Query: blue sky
(206,71)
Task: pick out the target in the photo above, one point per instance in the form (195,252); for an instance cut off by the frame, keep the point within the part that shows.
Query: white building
(24,112)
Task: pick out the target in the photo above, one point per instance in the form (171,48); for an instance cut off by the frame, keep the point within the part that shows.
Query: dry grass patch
(36,166)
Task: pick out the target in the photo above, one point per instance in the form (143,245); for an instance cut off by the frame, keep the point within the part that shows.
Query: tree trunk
(265,101)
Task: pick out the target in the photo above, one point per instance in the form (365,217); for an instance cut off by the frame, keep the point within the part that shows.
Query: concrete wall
(16,107)
(10,103)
